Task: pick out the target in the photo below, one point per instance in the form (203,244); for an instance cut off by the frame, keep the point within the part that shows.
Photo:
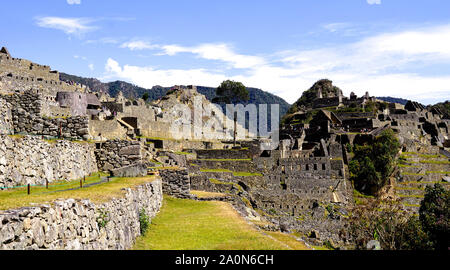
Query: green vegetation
(407,166)
(102,218)
(434,216)
(439,172)
(310,95)
(15,198)
(205,194)
(215,170)
(183,153)
(246,174)
(16,136)
(444,107)
(226,159)
(361,198)
(373,163)
(219,182)
(396,230)
(231,92)
(195,225)
(229,171)
(435,161)
(144,221)
(413,174)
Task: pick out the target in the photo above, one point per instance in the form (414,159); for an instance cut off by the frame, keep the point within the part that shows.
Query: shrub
(102,218)
(376,221)
(389,224)
(144,221)
(410,236)
(434,216)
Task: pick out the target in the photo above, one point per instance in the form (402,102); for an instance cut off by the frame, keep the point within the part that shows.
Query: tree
(434,214)
(373,163)
(411,236)
(231,92)
(145,96)
(388,223)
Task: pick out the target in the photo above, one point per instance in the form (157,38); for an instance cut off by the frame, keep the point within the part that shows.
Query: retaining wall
(76,224)
(31,160)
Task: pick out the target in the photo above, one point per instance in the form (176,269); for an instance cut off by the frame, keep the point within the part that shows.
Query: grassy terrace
(206,194)
(422,182)
(435,161)
(229,171)
(219,182)
(413,174)
(226,159)
(15,198)
(194,225)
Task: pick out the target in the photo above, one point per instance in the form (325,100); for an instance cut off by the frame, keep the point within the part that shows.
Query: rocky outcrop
(80,224)
(31,160)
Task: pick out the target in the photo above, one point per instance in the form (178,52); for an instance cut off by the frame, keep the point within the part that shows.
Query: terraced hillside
(417,170)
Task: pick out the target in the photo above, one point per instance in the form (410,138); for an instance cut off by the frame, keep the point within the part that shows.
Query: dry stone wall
(27,118)
(30,160)
(176,183)
(223,154)
(6,126)
(115,154)
(79,224)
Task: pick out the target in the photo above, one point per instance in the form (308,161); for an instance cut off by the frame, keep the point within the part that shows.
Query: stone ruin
(301,186)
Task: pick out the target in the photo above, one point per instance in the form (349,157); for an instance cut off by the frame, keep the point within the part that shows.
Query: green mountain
(444,107)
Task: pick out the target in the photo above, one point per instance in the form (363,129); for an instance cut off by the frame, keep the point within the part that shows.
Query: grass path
(212,225)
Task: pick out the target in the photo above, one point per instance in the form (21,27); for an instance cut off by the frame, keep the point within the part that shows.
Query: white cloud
(221,52)
(80,57)
(91,67)
(105,40)
(70,26)
(372,2)
(209,51)
(148,76)
(139,45)
(73,2)
(334,27)
(379,64)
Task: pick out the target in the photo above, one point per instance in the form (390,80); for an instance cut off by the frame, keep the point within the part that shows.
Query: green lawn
(229,171)
(225,159)
(197,225)
(15,198)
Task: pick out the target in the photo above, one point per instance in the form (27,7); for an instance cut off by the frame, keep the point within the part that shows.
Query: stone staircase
(416,171)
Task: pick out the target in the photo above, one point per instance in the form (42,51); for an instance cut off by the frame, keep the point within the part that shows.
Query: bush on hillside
(373,163)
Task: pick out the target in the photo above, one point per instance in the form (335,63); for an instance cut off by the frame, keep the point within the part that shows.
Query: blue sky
(387,47)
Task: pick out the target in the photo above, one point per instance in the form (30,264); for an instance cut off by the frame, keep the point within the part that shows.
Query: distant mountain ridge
(394,100)
(257,96)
